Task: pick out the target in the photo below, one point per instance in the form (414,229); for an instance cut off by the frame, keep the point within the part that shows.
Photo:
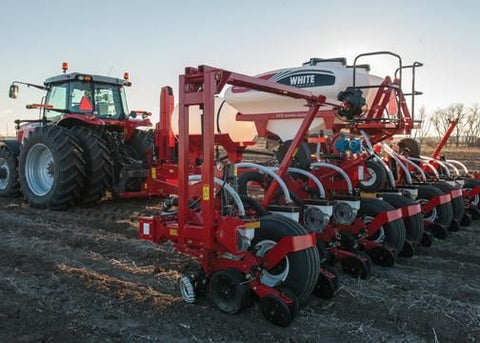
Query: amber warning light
(64,67)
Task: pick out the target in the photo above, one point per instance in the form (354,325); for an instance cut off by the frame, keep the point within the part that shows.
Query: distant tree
(425,125)
(441,121)
(472,129)
(442,118)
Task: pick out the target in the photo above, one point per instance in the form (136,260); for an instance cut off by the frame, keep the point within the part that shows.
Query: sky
(155,40)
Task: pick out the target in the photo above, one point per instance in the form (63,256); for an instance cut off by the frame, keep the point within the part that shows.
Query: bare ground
(83,275)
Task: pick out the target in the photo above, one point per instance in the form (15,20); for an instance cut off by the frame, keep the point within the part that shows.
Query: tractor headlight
(314,219)
(343,213)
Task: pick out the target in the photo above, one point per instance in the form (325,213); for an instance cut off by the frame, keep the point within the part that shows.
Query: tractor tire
(413,224)
(302,158)
(51,168)
(394,233)
(9,186)
(444,213)
(378,177)
(458,205)
(409,147)
(98,165)
(141,141)
(299,270)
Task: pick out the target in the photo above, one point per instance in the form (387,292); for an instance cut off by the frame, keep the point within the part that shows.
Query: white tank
(327,77)
(239,131)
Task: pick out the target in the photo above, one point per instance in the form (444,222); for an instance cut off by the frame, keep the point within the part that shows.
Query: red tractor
(84,143)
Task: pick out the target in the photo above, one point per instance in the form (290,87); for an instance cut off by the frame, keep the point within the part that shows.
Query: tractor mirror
(13,93)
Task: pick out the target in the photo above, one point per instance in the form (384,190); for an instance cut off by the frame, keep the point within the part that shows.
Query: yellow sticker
(206,192)
(367,195)
(295,152)
(252,225)
(154,173)
(173,232)
(235,172)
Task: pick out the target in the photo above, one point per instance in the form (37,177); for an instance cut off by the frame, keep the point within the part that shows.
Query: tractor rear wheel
(51,168)
(393,233)
(9,186)
(141,141)
(413,224)
(299,270)
(98,163)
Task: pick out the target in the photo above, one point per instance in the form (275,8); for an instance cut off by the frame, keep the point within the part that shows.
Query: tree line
(466,132)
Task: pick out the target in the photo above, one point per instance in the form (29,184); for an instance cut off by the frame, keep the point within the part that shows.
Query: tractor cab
(93,95)
(73,99)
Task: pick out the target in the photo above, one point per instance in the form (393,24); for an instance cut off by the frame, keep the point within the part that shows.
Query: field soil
(84,276)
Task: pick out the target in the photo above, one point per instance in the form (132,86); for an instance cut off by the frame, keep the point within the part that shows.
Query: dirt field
(84,276)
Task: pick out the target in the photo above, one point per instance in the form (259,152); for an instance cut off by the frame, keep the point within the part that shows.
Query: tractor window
(57,97)
(81,97)
(108,101)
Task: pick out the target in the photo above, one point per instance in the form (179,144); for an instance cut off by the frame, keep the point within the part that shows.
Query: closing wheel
(8,172)
(466,219)
(359,266)
(375,177)
(228,291)
(408,249)
(438,231)
(294,306)
(299,270)
(383,255)
(275,310)
(392,233)
(51,168)
(454,226)
(327,283)
(427,239)
(474,212)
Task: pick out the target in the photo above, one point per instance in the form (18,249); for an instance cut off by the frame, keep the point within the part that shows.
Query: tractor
(83,144)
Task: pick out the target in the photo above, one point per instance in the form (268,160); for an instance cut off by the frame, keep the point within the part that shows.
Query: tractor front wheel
(8,173)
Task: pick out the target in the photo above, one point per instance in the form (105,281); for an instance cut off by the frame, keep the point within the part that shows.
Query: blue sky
(155,40)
